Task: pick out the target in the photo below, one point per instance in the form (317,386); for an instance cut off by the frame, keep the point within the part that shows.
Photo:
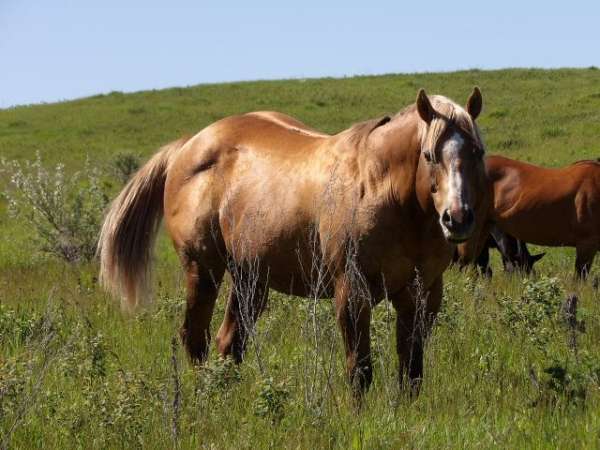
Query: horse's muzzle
(458,225)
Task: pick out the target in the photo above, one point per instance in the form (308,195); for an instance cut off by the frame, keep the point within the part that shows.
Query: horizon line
(291,78)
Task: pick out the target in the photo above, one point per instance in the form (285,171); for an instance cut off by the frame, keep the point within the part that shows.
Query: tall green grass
(77,373)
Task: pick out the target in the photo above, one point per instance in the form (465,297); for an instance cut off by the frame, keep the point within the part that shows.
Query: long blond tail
(129,231)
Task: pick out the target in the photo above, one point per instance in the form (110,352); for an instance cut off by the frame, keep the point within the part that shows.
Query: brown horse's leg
(584,260)
(413,323)
(354,319)
(246,303)
(202,290)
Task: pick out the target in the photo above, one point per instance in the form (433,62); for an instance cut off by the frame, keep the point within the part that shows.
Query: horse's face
(456,170)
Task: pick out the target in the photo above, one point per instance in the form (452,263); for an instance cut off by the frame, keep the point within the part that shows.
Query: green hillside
(550,117)
(503,369)
(525,110)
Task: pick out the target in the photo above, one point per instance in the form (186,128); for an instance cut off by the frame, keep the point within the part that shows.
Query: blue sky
(56,49)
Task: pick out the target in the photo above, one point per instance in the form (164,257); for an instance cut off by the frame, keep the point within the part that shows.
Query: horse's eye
(427,155)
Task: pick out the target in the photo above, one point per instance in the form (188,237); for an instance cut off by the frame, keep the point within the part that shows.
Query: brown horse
(278,205)
(553,207)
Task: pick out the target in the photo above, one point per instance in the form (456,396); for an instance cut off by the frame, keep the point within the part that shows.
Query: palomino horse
(279,205)
(553,207)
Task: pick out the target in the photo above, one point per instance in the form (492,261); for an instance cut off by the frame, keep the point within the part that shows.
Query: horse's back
(289,122)
(262,137)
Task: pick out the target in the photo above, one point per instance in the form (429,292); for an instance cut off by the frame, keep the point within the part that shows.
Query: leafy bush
(569,381)
(271,400)
(124,165)
(535,312)
(64,211)
(545,293)
(218,376)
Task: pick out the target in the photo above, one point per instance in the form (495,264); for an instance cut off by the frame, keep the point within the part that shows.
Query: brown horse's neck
(395,152)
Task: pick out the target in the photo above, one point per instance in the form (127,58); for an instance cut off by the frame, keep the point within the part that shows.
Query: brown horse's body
(544,206)
(279,205)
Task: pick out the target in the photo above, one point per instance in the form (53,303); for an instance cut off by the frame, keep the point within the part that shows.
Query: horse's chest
(399,265)
(393,252)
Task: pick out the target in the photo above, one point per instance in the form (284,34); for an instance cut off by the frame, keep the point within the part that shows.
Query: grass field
(503,369)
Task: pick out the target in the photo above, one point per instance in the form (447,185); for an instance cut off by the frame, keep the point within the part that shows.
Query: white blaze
(450,153)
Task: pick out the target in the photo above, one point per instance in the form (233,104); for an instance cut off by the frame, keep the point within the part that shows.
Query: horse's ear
(535,258)
(475,103)
(424,107)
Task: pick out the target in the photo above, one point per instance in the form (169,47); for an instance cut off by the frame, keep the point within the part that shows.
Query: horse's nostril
(446,219)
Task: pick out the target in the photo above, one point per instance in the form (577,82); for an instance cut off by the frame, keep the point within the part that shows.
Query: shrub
(545,294)
(218,376)
(64,211)
(535,313)
(271,400)
(568,380)
(124,165)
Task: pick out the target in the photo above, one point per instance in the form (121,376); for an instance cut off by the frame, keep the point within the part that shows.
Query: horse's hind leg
(584,260)
(247,300)
(202,290)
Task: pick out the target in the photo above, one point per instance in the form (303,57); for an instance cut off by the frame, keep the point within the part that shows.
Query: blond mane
(359,132)
(447,113)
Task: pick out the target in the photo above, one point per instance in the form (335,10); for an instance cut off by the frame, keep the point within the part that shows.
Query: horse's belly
(283,249)
(541,230)
(296,267)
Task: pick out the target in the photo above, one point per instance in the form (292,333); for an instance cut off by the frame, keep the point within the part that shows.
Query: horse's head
(452,159)
(515,254)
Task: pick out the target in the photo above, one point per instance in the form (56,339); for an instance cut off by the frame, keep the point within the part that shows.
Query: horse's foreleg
(202,290)
(247,301)
(584,260)
(354,319)
(483,262)
(415,314)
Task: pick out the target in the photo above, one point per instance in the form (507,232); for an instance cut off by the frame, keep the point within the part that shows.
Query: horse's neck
(395,150)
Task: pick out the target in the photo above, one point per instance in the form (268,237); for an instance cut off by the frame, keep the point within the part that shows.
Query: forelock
(447,112)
